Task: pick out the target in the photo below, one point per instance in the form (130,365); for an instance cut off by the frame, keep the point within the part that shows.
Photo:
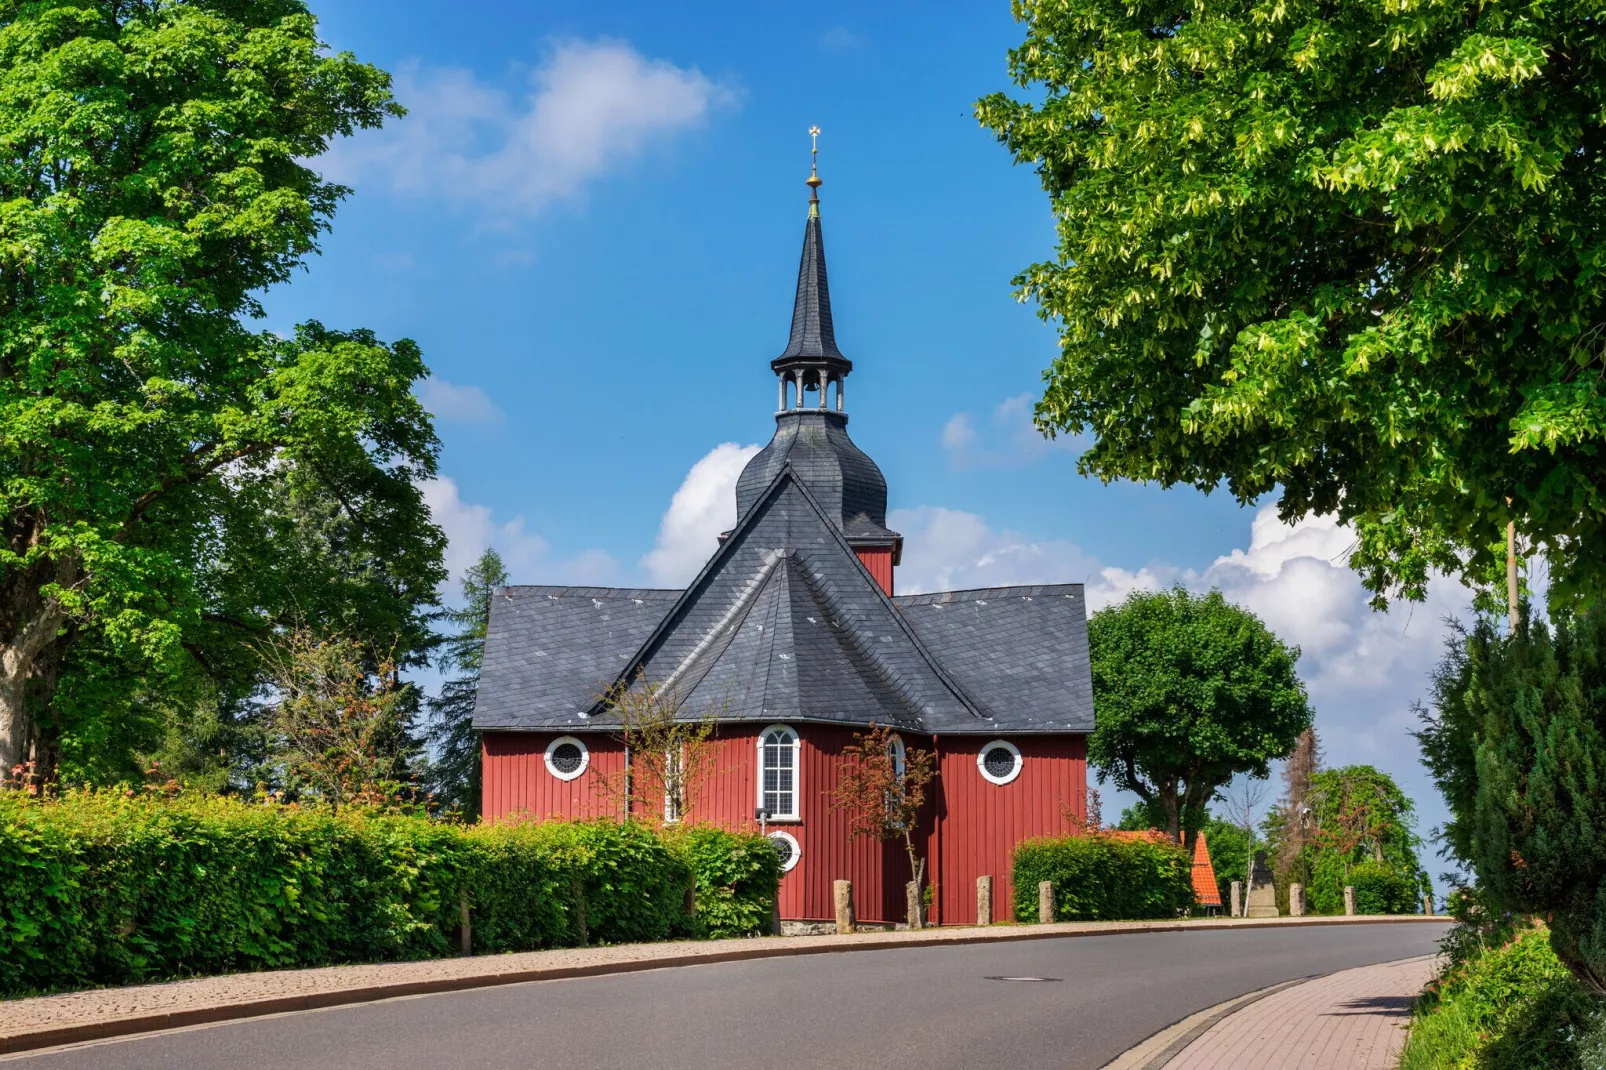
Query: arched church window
(777,772)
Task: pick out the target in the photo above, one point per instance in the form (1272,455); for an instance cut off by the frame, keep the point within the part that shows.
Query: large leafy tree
(1191,691)
(1352,251)
(159,458)
(456,774)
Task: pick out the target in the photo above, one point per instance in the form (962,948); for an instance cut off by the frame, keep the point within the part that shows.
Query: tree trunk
(1511,571)
(1173,809)
(28,663)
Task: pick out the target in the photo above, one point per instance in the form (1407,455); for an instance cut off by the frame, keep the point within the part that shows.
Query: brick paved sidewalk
(27,1024)
(1350,1020)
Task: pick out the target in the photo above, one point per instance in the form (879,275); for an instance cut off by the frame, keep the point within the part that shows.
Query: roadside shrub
(1098,876)
(1516,1007)
(1382,889)
(738,876)
(104,888)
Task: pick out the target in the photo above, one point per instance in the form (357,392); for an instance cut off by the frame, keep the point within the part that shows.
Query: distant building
(793,634)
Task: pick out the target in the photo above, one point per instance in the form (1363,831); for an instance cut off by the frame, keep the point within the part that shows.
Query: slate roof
(786,624)
(1021,652)
(842,477)
(813,336)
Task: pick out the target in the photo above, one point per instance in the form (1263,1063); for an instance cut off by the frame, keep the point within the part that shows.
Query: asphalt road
(920,1009)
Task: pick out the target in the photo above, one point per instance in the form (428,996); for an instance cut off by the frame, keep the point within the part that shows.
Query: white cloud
(703,506)
(470,529)
(464,404)
(1363,669)
(1007,438)
(948,550)
(590,107)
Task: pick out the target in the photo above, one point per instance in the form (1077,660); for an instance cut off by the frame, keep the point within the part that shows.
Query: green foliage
(1231,848)
(1191,691)
(455,771)
(738,876)
(1382,889)
(1515,1007)
(175,485)
(1102,877)
(1347,252)
(108,888)
(1523,718)
(1362,833)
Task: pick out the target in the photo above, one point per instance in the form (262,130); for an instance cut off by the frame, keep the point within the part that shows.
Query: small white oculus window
(786,846)
(999,761)
(567,757)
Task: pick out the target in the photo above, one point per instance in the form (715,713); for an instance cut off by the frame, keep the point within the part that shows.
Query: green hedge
(737,878)
(100,888)
(1101,877)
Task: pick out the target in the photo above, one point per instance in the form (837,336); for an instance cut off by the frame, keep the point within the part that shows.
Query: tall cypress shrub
(1523,718)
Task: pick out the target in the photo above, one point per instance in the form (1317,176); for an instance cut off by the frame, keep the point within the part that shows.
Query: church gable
(785,622)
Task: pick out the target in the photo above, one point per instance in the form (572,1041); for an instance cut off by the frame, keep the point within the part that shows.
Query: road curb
(135,1024)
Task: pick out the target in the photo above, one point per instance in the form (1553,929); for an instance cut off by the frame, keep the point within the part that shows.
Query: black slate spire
(812,334)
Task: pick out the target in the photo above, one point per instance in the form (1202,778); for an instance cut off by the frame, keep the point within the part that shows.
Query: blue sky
(590,221)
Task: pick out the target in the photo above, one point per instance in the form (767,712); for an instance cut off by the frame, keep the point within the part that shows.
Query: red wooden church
(793,633)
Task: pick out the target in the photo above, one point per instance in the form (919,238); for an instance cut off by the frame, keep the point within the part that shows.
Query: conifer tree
(456,768)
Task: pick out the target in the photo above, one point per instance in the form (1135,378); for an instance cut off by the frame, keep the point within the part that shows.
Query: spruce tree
(456,769)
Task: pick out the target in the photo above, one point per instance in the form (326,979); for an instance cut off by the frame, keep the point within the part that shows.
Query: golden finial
(814,179)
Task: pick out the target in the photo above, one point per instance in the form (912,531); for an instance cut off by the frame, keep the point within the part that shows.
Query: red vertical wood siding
(517,782)
(978,822)
(878,559)
(981,822)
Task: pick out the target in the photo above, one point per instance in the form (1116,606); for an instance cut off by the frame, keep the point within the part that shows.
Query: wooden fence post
(842,895)
(1296,900)
(1427,904)
(1349,899)
(465,930)
(1237,898)
(984,900)
(1045,902)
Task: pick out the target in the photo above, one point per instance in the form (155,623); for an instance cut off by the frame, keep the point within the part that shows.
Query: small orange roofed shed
(1205,889)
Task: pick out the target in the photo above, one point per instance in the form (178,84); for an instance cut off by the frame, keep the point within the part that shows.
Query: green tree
(1362,831)
(1191,691)
(157,455)
(1348,252)
(1517,740)
(455,771)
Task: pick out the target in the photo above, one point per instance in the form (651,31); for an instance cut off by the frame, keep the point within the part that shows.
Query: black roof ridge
(969,593)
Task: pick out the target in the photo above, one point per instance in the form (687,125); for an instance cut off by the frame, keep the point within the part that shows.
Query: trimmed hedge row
(98,888)
(1101,877)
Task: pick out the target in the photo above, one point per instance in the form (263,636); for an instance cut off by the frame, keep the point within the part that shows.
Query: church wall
(979,822)
(517,782)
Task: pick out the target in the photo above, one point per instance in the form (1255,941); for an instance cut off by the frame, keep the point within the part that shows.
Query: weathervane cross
(814,165)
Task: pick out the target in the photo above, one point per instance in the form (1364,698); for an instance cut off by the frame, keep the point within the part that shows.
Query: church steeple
(811,426)
(812,362)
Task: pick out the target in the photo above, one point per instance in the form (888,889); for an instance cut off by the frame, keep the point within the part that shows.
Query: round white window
(786,846)
(999,761)
(567,757)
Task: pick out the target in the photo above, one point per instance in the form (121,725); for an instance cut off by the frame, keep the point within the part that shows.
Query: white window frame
(797,779)
(981,765)
(674,767)
(797,852)
(585,757)
(900,757)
